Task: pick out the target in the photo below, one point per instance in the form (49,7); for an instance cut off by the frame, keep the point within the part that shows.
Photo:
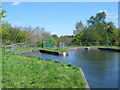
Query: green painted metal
(46,43)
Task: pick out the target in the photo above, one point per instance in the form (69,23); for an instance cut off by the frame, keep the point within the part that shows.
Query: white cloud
(16,3)
(109,14)
(60,34)
(102,11)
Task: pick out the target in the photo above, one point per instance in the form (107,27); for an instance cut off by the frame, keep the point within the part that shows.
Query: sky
(61,0)
(57,17)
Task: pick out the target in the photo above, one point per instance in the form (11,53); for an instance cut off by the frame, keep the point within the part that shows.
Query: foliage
(66,39)
(2,11)
(13,34)
(28,35)
(79,26)
(35,35)
(98,30)
(99,18)
(77,38)
(54,42)
(55,39)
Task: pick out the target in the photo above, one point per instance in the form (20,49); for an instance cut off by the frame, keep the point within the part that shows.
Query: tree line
(30,36)
(27,34)
(98,31)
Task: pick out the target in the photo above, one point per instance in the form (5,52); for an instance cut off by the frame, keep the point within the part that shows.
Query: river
(100,67)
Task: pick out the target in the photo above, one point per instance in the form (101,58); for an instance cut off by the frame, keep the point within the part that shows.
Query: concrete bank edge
(84,79)
(42,51)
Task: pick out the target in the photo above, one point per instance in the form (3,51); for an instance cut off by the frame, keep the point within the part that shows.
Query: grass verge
(113,47)
(46,48)
(64,49)
(21,71)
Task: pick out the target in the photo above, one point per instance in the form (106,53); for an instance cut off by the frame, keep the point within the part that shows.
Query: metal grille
(47,43)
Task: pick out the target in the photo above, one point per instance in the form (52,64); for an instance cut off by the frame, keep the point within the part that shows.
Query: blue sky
(57,17)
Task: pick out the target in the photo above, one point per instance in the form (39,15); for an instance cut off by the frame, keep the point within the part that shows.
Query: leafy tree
(99,18)
(13,34)
(56,38)
(118,41)
(113,33)
(79,26)
(98,30)
(77,38)
(66,39)
(54,42)
(2,13)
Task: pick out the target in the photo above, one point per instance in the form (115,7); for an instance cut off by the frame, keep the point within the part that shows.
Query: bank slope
(21,71)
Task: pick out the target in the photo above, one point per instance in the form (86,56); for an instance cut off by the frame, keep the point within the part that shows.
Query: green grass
(64,49)
(56,49)
(46,48)
(114,47)
(21,71)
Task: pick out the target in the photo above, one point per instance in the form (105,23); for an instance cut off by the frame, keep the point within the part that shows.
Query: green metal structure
(46,43)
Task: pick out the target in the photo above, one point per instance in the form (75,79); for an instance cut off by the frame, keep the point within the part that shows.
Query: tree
(79,26)
(118,41)
(113,33)
(54,42)
(98,24)
(66,39)
(98,30)
(56,38)
(5,32)
(99,18)
(2,13)
(35,35)
(77,38)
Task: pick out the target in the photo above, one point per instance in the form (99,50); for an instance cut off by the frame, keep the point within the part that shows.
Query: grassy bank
(47,48)
(21,71)
(114,47)
(64,49)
